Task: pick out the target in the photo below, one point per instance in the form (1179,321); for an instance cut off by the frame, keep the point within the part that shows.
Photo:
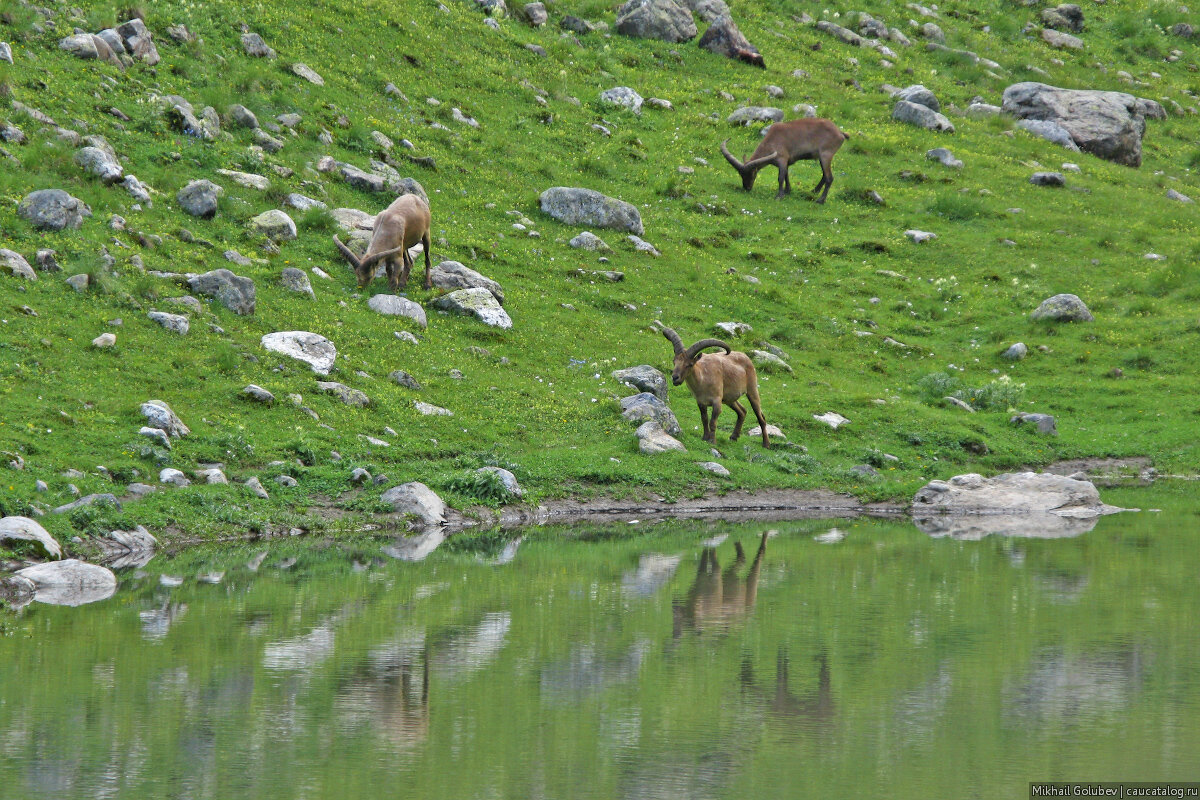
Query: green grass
(542,402)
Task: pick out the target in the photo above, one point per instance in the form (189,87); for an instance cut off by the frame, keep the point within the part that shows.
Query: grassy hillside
(812,280)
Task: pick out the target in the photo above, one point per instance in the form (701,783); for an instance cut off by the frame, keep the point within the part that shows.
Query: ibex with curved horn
(397,228)
(784,144)
(716,378)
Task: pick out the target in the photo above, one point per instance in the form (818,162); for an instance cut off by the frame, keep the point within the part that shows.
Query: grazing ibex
(784,144)
(397,228)
(714,379)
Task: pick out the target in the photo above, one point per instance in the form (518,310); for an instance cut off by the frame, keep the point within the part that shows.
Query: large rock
(845,34)
(624,97)
(308,73)
(27,530)
(1063,308)
(16,591)
(247,179)
(6,52)
(920,95)
(311,348)
(724,39)
(394,306)
(361,179)
(1063,41)
(709,10)
(14,263)
(1106,124)
(748,115)
(160,416)
(1066,17)
(576,206)
(664,20)
(1018,503)
(241,116)
(645,407)
(90,46)
(451,275)
(199,198)
(416,498)
(296,280)
(138,41)
(644,378)
(53,210)
(70,582)
(479,303)
(232,291)
(921,116)
(176,323)
(653,439)
(275,224)
(255,47)
(100,163)
(127,549)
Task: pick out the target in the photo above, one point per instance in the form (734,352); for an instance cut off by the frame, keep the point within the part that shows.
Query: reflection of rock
(416,548)
(300,652)
(586,672)
(70,582)
(157,622)
(124,549)
(459,654)
(973,527)
(1071,688)
(652,573)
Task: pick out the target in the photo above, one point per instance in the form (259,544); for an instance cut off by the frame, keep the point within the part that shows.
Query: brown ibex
(714,379)
(784,144)
(397,228)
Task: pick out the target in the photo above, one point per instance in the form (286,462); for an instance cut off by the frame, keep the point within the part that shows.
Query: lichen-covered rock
(175,323)
(199,198)
(920,95)
(451,275)
(1050,131)
(90,46)
(624,97)
(53,210)
(1011,493)
(275,224)
(1048,179)
(296,280)
(308,73)
(664,20)
(653,439)
(311,348)
(589,241)
(1065,17)
(235,292)
(1063,41)
(349,396)
(100,163)
(255,47)
(241,116)
(1106,124)
(507,478)
(576,206)
(1063,308)
(479,303)
(247,179)
(921,116)
(752,114)
(648,407)
(1044,423)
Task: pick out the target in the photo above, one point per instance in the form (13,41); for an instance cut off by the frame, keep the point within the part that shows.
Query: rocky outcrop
(479,303)
(232,291)
(1106,124)
(451,275)
(664,20)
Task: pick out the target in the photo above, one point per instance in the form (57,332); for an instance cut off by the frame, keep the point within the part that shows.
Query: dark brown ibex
(714,379)
(397,228)
(784,144)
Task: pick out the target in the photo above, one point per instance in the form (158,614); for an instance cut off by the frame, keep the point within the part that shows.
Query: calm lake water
(795,660)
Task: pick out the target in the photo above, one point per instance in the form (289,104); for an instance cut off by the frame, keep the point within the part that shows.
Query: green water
(631,663)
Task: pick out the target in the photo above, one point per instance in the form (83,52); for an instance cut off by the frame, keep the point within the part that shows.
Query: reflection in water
(587,672)
(416,548)
(1073,688)
(300,653)
(457,654)
(653,572)
(806,711)
(156,623)
(390,692)
(973,527)
(718,598)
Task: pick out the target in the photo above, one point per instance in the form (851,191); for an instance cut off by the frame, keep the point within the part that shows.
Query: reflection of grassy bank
(591,668)
(824,274)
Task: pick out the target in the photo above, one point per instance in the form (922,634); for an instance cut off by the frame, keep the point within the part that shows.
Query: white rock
(26,529)
(831,419)
(311,348)
(70,582)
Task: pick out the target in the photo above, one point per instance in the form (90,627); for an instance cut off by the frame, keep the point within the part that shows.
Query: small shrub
(486,487)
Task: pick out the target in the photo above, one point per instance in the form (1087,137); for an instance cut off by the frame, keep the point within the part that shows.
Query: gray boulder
(921,116)
(648,407)
(749,115)
(644,378)
(199,198)
(724,39)
(1015,352)
(127,549)
(1048,179)
(845,34)
(1063,41)
(451,275)
(255,47)
(361,179)
(653,439)
(1044,423)
(296,280)
(1050,131)
(576,206)
(708,10)
(70,582)
(182,117)
(90,46)
(479,303)
(624,97)
(232,291)
(100,163)
(15,264)
(535,14)
(1011,493)
(589,241)
(1066,17)
(308,73)
(945,157)
(53,210)
(105,498)
(160,415)
(242,117)
(416,498)
(175,323)
(664,20)
(1106,124)
(1063,308)
(276,224)
(920,95)
(394,306)
(507,478)
(138,41)
(311,348)
(26,529)
(351,397)
(6,52)
(16,591)
(258,394)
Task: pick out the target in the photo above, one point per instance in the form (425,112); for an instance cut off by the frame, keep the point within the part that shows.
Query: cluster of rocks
(918,106)
(119,46)
(673,22)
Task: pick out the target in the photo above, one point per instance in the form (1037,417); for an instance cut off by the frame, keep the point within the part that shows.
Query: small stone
(1063,308)
(157,434)
(832,419)
(1048,179)
(175,323)
(715,468)
(256,488)
(306,72)
(351,397)
(402,378)
(1044,423)
(287,481)
(173,477)
(429,410)
(275,224)
(256,392)
(920,236)
(1016,352)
